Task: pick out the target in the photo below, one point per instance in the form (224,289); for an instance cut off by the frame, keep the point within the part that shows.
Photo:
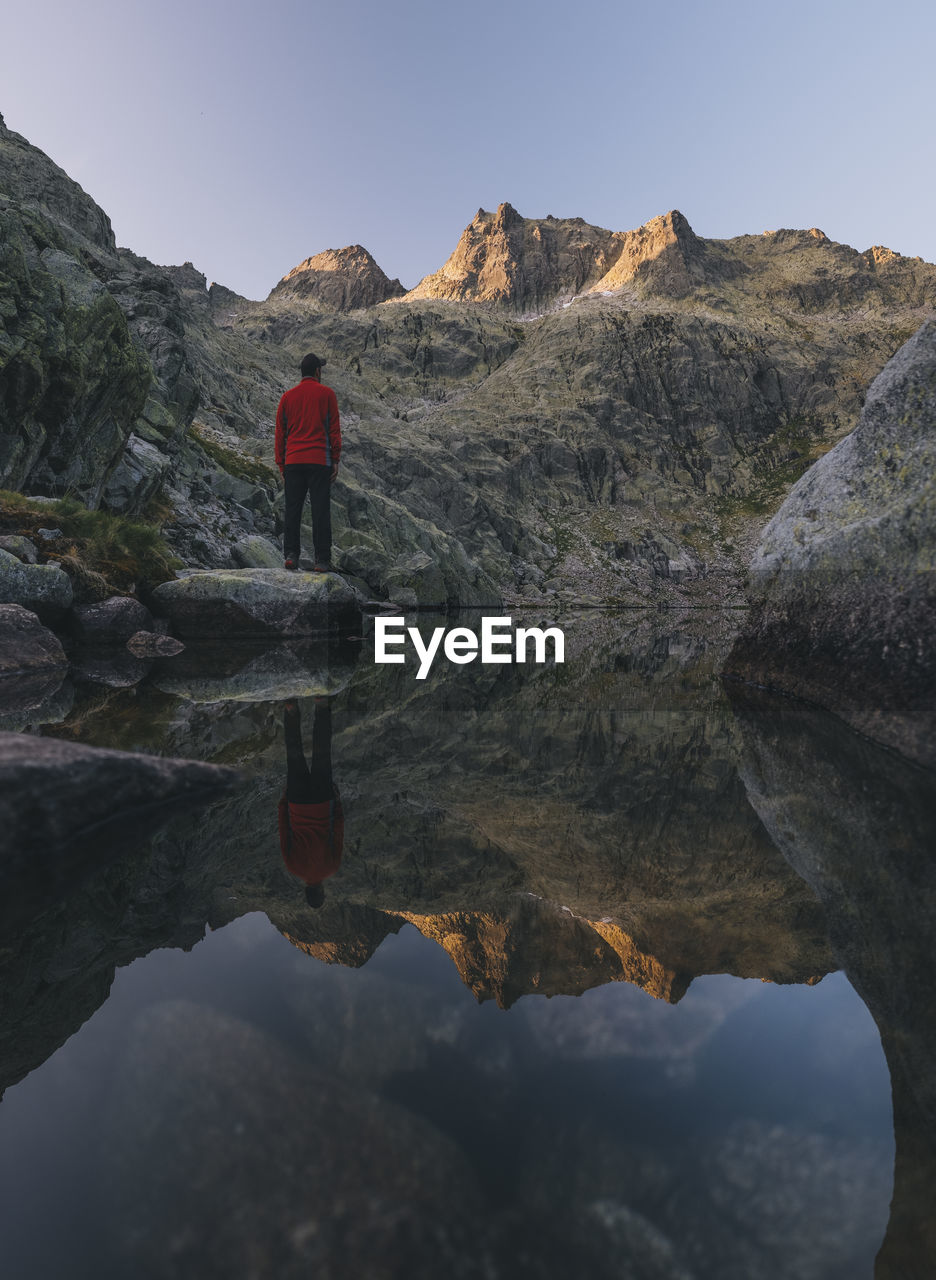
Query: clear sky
(245,137)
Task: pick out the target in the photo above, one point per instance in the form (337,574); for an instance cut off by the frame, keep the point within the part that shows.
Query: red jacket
(311,838)
(307,425)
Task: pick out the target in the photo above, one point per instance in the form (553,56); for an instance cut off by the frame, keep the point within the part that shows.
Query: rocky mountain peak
(339,280)
(665,253)
(529,263)
(525,263)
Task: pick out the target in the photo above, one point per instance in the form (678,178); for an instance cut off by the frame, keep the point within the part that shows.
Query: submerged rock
(149,644)
(115,668)
(210,1114)
(257,602)
(26,701)
(845,574)
(54,794)
(317,670)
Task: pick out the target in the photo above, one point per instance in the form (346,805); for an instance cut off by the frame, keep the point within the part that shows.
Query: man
(308,447)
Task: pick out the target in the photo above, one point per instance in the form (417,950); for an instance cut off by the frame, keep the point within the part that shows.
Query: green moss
(799,444)
(244,467)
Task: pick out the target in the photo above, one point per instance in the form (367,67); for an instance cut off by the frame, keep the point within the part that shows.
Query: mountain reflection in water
(610,827)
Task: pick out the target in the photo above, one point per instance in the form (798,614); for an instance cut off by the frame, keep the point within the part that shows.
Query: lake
(604,969)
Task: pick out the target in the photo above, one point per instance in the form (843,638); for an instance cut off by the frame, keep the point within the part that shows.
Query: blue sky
(245,138)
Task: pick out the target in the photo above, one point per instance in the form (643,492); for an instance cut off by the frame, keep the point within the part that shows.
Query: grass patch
(122,550)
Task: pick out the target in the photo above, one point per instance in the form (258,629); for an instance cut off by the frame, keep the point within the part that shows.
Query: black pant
(315,479)
(309,782)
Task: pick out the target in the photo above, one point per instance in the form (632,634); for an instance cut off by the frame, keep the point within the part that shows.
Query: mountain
(340,280)
(562,412)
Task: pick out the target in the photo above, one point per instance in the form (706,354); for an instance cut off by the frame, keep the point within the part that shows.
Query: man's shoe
(290,563)
(324,567)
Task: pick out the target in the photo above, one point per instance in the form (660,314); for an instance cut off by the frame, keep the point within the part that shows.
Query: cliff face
(561,410)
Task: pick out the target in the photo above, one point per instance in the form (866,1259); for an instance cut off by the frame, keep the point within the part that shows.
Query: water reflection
(525,832)
(859,825)
(310,814)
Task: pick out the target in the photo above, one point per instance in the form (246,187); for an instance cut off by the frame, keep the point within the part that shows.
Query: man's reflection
(311,819)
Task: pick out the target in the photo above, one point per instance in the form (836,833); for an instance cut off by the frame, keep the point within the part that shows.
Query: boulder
(257,602)
(111,621)
(54,795)
(20,547)
(844,579)
(26,646)
(257,553)
(45,589)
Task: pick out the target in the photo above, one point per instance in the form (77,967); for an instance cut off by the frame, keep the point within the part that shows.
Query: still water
(611,971)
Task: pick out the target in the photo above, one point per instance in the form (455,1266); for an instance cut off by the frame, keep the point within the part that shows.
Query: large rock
(26,646)
(56,795)
(45,589)
(111,621)
(844,578)
(256,602)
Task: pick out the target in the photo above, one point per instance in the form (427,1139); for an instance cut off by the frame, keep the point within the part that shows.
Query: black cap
(310,365)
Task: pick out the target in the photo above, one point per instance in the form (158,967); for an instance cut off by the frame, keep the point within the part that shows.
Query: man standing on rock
(308,447)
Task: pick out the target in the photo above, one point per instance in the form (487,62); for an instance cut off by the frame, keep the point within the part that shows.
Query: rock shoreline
(844,579)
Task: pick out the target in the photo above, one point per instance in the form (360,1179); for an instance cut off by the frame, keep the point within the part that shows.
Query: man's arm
(280,443)
(334,433)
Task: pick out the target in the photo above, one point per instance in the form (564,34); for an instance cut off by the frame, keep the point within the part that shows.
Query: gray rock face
(258,553)
(44,589)
(256,602)
(111,621)
(136,477)
(26,646)
(844,579)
